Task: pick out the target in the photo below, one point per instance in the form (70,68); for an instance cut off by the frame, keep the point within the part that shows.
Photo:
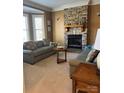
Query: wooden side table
(85,78)
(59,60)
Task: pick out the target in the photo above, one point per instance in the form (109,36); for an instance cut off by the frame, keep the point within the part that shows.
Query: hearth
(75,41)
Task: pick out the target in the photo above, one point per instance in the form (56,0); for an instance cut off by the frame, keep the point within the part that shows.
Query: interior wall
(58,26)
(49,33)
(93,22)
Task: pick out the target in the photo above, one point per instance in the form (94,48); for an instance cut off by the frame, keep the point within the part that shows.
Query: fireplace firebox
(75,41)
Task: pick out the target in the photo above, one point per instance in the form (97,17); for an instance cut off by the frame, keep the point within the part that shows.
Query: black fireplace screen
(74,41)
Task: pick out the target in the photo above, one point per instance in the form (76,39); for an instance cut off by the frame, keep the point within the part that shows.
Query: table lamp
(97,47)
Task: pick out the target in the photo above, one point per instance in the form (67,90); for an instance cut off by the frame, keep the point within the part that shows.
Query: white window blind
(25,28)
(38,27)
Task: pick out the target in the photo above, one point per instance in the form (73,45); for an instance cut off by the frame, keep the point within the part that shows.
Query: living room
(46,75)
(50,29)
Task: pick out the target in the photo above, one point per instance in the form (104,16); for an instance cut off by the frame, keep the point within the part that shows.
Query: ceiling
(55,3)
(31,10)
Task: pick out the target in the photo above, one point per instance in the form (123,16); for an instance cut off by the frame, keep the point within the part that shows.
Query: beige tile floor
(47,76)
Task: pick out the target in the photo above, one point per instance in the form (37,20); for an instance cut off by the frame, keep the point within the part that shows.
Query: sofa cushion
(39,43)
(40,51)
(46,42)
(29,45)
(83,55)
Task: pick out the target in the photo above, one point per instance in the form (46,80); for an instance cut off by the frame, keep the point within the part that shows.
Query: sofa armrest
(27,51)
(28,56)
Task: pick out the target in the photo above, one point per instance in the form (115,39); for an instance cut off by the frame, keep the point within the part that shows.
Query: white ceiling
(56,3)
(31,10)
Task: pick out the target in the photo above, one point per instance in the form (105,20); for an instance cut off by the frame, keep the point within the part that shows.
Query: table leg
(73,86)
(65,55)
(99,89)
(57,56)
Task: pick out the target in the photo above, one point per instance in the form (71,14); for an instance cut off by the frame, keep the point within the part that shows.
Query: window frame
(33,23)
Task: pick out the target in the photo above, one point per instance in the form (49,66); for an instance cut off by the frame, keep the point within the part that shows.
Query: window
(25,28)
(38,27)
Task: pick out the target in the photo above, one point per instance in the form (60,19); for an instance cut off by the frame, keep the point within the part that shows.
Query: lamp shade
(98,61)
(97,41)
(97,46)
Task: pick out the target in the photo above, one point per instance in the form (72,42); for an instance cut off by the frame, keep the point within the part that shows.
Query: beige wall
(58,26)
(48,17)
(93,22)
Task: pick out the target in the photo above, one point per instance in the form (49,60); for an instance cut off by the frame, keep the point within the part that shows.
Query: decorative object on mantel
(67,29)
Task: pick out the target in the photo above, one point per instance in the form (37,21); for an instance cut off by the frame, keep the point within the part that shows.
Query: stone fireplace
(75,22)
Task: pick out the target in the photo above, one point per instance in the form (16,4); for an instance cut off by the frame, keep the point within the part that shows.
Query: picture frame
(48,22)
(49,29)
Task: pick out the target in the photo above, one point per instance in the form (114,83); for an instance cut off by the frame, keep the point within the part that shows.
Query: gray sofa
(34,51)
(81,58)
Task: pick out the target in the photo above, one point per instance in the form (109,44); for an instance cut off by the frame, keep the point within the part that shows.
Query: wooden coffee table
(85,78)
(60,60)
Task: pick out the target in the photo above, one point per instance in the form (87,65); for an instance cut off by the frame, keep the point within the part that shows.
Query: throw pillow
(46,42)
(53,44)
(92,55)
(30,45)
(95,60)
(83,55)
(39,44)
